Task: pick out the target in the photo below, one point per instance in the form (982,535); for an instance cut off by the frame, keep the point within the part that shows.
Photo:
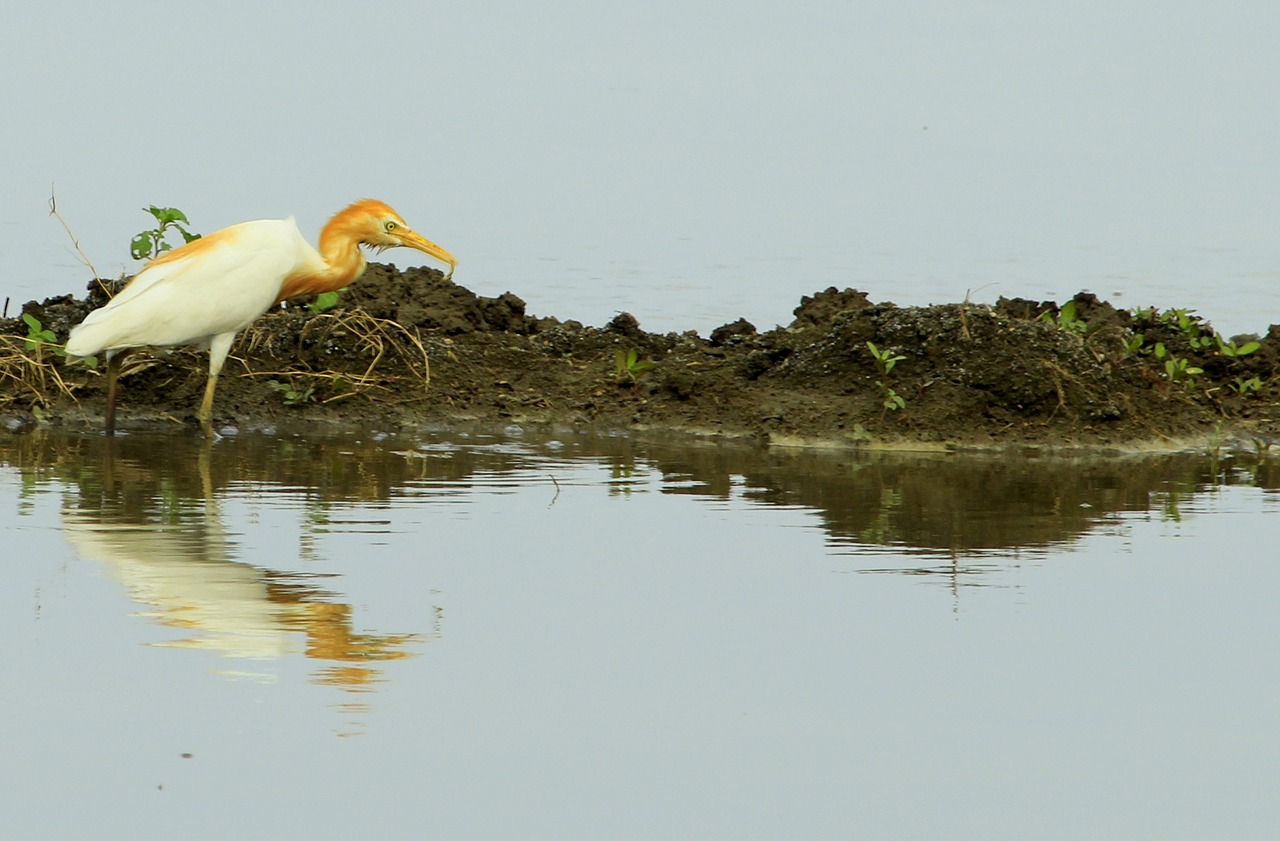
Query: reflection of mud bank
(972,374)
(948,505)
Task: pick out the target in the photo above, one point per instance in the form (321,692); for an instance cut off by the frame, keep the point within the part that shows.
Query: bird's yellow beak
(412,239)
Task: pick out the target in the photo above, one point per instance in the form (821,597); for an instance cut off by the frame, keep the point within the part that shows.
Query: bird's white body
(208,294)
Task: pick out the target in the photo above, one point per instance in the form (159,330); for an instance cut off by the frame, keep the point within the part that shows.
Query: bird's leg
(205,415)
(219,347)
(114,360)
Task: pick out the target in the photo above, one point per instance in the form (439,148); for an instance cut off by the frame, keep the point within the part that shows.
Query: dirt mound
(413,347)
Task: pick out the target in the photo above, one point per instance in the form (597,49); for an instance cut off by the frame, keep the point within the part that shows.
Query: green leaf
(168,215)
(141,245)
(323,301)
(33,323)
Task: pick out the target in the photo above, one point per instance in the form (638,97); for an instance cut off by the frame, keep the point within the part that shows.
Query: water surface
(516,635)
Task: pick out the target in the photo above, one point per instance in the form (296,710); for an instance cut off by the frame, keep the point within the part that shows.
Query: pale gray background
(687,161)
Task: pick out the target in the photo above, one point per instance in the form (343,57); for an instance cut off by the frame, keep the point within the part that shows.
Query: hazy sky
(687,161)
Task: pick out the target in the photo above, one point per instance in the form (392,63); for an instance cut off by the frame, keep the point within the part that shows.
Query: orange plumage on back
(194,248)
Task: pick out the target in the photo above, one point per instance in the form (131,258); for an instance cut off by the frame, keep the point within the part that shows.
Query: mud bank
(414,348)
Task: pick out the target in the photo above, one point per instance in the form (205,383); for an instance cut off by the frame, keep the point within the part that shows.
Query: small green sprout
(38,336)
(1245,387)
(1066,319)
(1233,350)
(885,359)
(291,394)
(630,367)
(324,301)
(893,401)
(151,243)
(1188,323)
(1176,368)
(1135,344)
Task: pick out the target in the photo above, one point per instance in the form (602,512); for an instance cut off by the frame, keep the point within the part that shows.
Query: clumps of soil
(413,347)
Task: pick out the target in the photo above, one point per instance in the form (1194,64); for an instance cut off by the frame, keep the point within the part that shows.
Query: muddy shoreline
(410,348)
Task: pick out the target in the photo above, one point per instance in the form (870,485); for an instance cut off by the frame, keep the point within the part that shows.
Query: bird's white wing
(217,284)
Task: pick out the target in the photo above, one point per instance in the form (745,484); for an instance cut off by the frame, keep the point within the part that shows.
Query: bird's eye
(390,226)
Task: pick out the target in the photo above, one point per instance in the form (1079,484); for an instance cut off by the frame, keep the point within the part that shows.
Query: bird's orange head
(377,225)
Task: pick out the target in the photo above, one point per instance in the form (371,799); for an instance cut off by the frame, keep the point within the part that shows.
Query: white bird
(207,291)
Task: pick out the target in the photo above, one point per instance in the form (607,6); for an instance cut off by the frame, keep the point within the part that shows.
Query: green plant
(1176,368)
(1245,387)
(1233,350)
(1135,344)
(893,401)
(885,361)
(1066,319)
(151,243)
(1188,323)
(38,336)
(630,367)
(291,393)
(324,301)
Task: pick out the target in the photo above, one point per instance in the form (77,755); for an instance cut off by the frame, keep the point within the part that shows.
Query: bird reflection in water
(174,555)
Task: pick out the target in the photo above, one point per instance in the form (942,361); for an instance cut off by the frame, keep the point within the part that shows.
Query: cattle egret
(210,289)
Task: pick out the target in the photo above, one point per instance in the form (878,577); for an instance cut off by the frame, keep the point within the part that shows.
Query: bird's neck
(343,258)
(341,262)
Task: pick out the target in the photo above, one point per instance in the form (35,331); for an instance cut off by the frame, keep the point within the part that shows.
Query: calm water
(690,161)
(526,636)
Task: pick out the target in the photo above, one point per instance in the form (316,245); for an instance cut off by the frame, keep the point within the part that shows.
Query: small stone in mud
(727,332)
(624,323)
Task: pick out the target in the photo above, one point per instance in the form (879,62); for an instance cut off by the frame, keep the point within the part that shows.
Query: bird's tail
(88,338)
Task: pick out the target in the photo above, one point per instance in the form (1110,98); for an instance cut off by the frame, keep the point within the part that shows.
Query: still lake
(528,636)
(519,634)
(687,161)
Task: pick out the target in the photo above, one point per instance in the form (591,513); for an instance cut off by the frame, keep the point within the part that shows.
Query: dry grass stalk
(28,372)
(53,211)
(32,376)
(376,338)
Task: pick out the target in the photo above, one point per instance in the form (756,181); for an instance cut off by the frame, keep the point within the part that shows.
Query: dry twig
(53,211)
